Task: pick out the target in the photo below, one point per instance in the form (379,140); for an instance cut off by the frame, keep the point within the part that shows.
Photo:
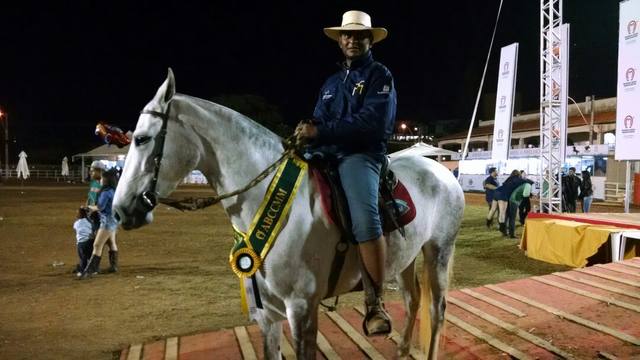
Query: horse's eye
(141,140)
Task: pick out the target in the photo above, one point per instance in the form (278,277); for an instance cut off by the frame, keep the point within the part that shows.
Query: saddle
(395,205)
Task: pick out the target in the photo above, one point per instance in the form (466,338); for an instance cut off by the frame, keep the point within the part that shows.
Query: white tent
(65,167)
(422,149)
(23,168)
(103,152)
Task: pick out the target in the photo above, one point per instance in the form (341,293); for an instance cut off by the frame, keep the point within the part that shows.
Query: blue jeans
(360,176)
(108,222)
(586,203)
(84,252)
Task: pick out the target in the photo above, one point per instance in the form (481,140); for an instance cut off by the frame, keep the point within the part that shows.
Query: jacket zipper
(346,76)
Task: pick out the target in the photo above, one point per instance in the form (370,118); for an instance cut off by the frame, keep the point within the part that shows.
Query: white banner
(504,102)
(628,106)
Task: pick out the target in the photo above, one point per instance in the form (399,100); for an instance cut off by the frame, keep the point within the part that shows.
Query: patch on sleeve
(386,89)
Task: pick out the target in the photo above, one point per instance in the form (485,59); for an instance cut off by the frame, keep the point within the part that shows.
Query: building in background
(590,140)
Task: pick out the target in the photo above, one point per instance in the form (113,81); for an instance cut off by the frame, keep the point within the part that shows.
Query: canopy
(103,152)
(422,149)
(65,167)
(22,168)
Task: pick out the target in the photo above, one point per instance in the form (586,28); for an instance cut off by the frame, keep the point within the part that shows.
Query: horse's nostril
(116,215)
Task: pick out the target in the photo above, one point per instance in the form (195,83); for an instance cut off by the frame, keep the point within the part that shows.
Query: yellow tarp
(564,242)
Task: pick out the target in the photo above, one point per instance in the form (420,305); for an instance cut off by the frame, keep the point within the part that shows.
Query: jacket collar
(358,63)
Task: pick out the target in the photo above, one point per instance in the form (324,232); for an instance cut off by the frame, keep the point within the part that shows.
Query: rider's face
(354,44)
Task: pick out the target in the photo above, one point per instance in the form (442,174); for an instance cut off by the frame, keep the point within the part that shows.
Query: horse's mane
(247,127)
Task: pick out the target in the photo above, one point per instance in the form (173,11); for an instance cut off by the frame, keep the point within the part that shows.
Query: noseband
(149,198)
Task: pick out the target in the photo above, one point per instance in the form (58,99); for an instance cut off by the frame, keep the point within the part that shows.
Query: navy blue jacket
(356,109)
(489,192)
(504,192)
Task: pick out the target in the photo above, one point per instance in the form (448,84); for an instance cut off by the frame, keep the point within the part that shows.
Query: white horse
(230,150)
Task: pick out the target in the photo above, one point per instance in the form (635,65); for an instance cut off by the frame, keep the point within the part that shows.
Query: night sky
(64,67)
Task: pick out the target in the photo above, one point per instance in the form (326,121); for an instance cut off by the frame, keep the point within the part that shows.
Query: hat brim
(379,34)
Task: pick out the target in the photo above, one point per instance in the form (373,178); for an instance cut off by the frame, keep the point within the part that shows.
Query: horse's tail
(435,279)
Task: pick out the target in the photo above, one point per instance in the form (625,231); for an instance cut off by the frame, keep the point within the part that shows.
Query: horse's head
(157,159)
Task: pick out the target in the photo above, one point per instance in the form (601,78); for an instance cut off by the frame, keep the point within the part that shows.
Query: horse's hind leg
(437,257)
(411,295)
(271,333)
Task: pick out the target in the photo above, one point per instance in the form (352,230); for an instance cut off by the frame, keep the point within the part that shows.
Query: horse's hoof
(403,352)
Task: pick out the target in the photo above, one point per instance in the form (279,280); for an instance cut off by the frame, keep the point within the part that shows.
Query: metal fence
(45,174)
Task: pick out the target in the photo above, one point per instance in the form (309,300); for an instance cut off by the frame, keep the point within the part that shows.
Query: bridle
(149,198)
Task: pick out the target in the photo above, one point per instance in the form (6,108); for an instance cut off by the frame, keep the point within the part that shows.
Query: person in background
(586,191)
(85,230)
(108,227)
(525,205)
(523,191)
(95,174)
(490,184)
(501,199)
(570,188)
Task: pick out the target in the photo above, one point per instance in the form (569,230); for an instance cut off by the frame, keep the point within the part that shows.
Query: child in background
(85,228)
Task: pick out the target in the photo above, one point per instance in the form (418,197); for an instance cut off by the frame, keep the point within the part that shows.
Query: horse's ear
(167,89)
(171,89)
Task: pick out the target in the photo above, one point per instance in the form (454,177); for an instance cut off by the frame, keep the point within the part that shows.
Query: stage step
(572,315)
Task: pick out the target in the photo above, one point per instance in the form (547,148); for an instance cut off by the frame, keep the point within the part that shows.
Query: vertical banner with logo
(504,102)
(628,107)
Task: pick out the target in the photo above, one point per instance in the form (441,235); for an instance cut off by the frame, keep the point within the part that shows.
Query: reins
(191,203)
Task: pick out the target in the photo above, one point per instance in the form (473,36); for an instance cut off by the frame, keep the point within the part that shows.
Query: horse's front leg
(271,333)
(303,321)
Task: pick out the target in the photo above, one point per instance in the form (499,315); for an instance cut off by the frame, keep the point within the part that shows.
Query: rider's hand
(305,131)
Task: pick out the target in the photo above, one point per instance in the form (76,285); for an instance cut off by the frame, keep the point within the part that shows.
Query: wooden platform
(586,313)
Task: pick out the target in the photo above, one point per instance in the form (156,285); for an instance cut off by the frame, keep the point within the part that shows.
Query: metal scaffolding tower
(552,129)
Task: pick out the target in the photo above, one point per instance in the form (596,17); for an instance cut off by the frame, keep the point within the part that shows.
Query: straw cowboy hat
(355,20)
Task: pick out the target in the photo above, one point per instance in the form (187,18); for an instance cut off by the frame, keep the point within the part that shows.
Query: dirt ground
(174,278)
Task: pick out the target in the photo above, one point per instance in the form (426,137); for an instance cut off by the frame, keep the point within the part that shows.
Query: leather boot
(92,268)
(489,223)
(376,321)
(113,262)
(503,228)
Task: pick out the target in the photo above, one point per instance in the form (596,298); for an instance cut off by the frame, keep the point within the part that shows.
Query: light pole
(4,116)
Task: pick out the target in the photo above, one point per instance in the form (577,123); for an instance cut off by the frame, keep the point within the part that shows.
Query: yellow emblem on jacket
(359,87)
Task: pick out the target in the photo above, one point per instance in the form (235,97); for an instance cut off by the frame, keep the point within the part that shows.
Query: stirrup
(378,314)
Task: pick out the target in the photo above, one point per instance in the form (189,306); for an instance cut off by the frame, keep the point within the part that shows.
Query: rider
(353,119)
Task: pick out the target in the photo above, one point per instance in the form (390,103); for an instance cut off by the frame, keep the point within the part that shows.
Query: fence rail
(45,174)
